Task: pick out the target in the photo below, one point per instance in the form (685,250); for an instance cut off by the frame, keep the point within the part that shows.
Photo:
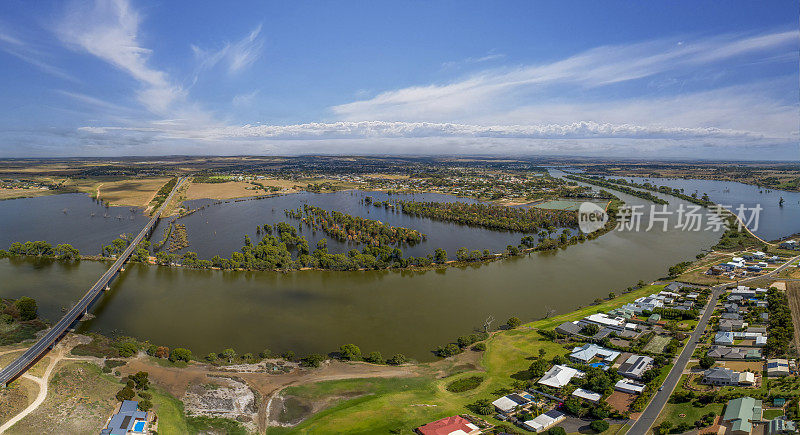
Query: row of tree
(344,227)
(40,248)
(624,189)
(496,217)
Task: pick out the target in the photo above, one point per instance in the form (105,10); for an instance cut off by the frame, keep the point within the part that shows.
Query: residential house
(559,376)
(724,337)
(455,425)
(545,421)
(731,325)
(568,328)
(635,366)
(720,376)
(740,414)
(588,352)
(605,321)
(128,420)
(734,353)
(777,367)
(780,425)
(744,291)
(509,403)
(790,244)
(591,396)
(628,386)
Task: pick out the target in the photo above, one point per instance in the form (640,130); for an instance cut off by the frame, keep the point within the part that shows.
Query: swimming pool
(139,426)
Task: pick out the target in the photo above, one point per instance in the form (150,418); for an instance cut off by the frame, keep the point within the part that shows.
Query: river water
(774,221)
(316,311)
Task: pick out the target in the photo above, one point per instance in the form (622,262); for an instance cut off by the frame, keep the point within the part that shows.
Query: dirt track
(793,293)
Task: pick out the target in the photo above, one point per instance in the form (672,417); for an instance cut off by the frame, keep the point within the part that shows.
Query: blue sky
(671,79)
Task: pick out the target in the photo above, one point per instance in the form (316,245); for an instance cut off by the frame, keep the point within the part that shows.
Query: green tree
(599,426)
(140,379)
(28,310)
(229,354)
(513,322)
(125,394)
(706,362)
(180,354)
(145,405)
(313,360)
(556,431)
(374,358)
(397,359)
(350,352)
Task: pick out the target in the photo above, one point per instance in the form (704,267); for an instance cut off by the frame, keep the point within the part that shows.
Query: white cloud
(109,30)
(15,46)
(484,91)
(244,100)
(237,55)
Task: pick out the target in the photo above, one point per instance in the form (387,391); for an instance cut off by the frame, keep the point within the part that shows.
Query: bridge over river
(29,358)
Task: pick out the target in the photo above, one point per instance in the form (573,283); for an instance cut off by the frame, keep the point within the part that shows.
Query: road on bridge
(30,356)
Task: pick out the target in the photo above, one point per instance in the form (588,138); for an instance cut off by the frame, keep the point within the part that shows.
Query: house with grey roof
(720,376)
(635,366)
(128,420)
(724,337)
(730,325)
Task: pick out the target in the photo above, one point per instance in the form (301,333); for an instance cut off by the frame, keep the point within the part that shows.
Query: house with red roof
(455,425)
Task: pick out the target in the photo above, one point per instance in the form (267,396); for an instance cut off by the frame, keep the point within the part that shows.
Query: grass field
(403,404)
(657,344)
(133,192)
(229,190)
(678,413)
(769,414)
(171,419)
(23,193)
(79,400)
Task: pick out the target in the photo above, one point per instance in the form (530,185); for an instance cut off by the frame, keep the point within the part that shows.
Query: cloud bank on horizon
(116,77)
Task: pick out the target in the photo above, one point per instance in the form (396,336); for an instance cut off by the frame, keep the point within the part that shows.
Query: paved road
(648,417)
(21,364)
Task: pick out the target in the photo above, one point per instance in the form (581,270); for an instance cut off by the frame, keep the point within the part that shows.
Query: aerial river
(317,311)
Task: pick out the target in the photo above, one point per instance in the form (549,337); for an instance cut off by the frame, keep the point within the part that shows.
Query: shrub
(350,352)
(125,394)
(479,347)
(449,350)
(513,322)
(464,384)
(27,308)
(313,360)
(145,405)
(556,431)
(397,359)
(127,349)
(374,358)
(180,354)
(599,426)
(482,407)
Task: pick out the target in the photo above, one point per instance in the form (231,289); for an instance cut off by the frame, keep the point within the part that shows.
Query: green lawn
(672,412)
(171,419)
(769,414)
(404,403)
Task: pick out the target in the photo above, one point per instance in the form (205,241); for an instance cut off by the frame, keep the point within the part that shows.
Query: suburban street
(648,417)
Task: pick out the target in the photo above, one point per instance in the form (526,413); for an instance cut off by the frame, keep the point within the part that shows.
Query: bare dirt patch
(740,366)
(620,401)
(223,397)
(179,380)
